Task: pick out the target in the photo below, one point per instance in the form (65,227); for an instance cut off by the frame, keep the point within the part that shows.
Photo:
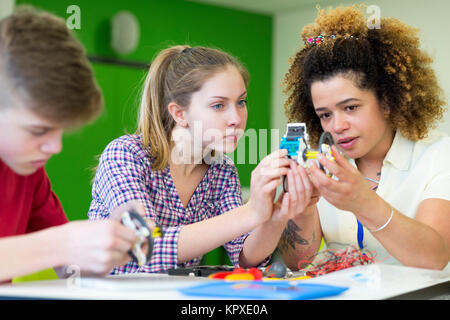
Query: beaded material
(321,38)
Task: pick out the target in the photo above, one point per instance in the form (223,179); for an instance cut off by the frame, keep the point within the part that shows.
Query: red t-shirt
(27,203)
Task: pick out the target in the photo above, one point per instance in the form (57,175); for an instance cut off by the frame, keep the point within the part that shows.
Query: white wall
(6,7)
(431,17)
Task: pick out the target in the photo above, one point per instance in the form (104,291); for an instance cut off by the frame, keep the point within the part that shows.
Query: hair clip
(319,39)
(315,40)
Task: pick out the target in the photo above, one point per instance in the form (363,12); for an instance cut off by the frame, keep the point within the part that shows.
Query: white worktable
(371,282)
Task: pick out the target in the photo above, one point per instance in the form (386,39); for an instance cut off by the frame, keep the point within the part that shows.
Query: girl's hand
(301,195)
(350,191)
(265,179)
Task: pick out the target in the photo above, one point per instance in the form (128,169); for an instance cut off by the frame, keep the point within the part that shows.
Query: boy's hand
(132,205)
(96,247)
(138,207)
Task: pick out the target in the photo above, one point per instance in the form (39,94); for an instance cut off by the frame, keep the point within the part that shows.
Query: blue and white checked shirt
(124,173)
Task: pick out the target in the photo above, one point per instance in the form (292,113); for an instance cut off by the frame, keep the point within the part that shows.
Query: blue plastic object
(263,290)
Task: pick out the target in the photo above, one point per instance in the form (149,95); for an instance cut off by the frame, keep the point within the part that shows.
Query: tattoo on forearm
(290,237)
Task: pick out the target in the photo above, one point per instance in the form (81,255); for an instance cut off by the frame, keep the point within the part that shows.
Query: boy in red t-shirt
(46,86)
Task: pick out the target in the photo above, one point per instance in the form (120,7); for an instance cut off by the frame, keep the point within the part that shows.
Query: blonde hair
(174,75)
(44,66)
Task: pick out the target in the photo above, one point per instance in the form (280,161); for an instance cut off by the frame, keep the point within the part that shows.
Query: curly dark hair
(386,60)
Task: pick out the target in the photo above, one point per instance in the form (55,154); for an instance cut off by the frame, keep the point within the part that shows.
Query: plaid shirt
(124,173)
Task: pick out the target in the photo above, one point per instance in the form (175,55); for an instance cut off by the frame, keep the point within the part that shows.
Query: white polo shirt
(411,173)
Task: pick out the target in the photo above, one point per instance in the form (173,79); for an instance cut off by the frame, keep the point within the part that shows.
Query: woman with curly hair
(374,90)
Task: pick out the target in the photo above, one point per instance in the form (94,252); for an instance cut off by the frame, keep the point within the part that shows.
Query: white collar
(400,153)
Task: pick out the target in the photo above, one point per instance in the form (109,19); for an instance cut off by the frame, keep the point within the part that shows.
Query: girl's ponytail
(155,123)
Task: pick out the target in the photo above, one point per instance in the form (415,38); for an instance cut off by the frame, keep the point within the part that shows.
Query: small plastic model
(296,141)
(135,222)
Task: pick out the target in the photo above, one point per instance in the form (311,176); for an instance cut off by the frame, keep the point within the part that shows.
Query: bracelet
(387,222)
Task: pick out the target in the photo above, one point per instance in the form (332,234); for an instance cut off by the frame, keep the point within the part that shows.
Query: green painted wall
(162,23)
